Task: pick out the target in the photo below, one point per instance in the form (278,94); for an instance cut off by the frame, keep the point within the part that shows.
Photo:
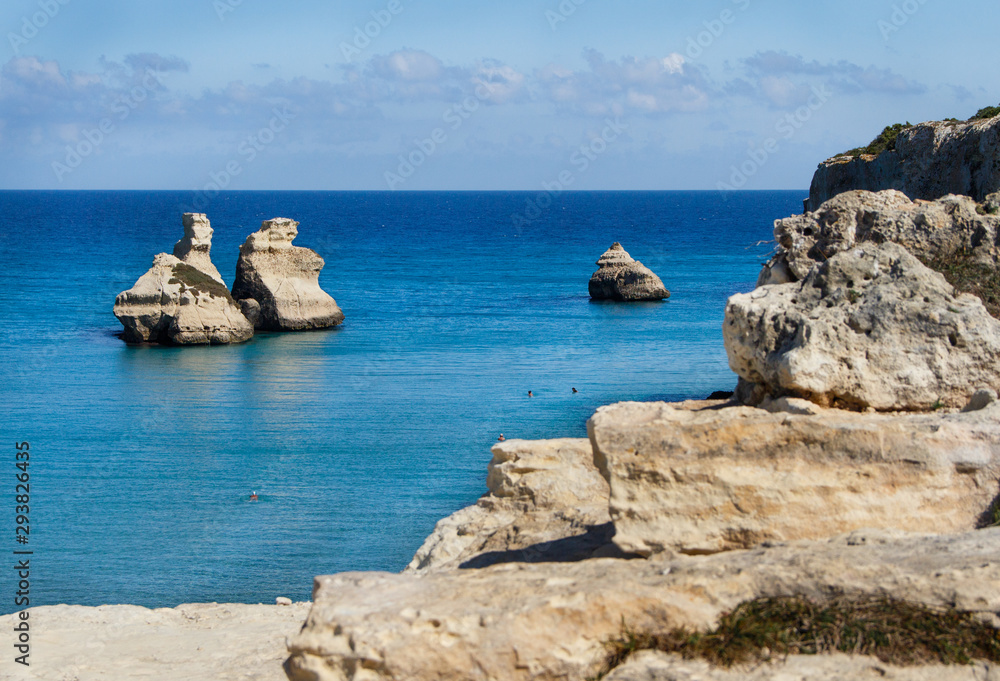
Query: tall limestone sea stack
(277,284)
(182,300)
(623,279)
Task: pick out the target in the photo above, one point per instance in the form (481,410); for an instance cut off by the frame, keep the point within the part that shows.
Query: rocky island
(621,278)
(182,299)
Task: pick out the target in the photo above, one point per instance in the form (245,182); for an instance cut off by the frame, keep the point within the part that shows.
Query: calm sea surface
(357,439)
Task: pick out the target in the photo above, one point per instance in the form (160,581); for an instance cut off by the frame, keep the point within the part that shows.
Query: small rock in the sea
(623,279)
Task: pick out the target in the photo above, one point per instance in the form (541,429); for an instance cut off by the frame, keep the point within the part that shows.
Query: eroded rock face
(928,229)
(547,502)
(623,279)
(930,160)
(543,622)
(277,284)
(703,477)
(196,247)
(869,328)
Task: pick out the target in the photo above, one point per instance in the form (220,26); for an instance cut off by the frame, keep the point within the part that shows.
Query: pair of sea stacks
(624,279)
(182,299)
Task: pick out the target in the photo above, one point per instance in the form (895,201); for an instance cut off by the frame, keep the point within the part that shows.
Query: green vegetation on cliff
(894,631)
(886,141)
(986,112)
(193,278)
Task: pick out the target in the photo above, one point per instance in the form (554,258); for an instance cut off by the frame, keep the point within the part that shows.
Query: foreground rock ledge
(550,621)
(707,477)
(654,666)
(118,642)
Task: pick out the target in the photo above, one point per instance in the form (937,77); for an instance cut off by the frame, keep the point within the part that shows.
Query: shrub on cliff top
(886,141)
(986,112)
(896,632)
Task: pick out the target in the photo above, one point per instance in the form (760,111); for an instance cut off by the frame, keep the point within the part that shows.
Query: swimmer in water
(575,391)
(530,394)
(501,438)
(253,496)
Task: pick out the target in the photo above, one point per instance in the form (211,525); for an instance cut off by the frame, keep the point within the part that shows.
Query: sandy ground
(207,642)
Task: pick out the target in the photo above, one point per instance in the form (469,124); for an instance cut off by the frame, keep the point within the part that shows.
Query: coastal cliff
(925,161)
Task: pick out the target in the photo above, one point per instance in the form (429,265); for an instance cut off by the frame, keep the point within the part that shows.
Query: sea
(357,440)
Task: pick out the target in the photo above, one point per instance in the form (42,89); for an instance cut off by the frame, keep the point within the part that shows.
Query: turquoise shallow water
(357,439)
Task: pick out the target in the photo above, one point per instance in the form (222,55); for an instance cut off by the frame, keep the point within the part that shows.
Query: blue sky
(248,94)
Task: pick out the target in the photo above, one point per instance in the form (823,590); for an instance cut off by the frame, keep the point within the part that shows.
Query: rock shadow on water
(594,543)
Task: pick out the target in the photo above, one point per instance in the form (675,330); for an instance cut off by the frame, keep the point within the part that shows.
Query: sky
(445,95)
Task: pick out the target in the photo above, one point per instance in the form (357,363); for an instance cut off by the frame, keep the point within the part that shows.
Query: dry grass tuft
(895,632)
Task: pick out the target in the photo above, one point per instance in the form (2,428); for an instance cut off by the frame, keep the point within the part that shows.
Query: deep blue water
(358,439)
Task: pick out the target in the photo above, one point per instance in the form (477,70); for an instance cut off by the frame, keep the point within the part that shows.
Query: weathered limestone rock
(195,248)
(655,666)
(927,229)
(547,502)
(521,622)
(870,327)
(702,477)
(176,303)
(195,641)
(277,284)
(624,279)
(930,160)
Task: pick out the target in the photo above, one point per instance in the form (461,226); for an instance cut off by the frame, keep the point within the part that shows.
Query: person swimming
(501,438)
(575,391)
(253,496)
(530,394)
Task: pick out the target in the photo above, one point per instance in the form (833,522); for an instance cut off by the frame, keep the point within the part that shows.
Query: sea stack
(277,284)
(623,279)
(196,247)
(182,300)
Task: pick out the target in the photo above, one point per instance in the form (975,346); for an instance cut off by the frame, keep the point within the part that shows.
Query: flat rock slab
(119,642)
(653,666)
(549,621)
(705,477)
